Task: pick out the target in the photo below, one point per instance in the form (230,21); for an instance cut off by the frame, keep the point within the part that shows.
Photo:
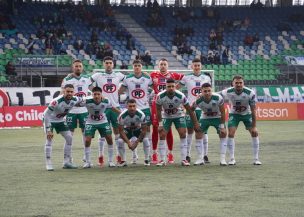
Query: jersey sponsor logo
(196,91)
(161,87)
(97,117)
(138,93)
(171,111)
(109,88)
(239,107)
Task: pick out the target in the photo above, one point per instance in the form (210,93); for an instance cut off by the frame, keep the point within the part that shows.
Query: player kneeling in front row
(54,119)
(97,120)
(213,114)
(171,100)
(132,128)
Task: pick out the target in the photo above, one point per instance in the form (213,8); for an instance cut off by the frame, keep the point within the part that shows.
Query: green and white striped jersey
(138,89)
(172,105)
(239,103)
(109,83)
(209,109)
(97,111)
(81,88)
(132,122)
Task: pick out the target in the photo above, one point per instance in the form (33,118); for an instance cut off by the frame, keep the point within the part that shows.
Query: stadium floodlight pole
(171,70)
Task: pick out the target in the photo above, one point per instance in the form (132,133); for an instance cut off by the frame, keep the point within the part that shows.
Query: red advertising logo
(4,100)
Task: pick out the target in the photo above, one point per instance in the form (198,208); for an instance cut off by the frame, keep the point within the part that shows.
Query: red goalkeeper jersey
(159,80)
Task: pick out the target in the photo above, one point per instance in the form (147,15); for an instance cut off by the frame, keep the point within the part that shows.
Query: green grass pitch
(275,188)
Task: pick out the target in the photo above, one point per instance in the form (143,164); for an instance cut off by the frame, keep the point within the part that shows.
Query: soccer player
(242,109)
(132,129)
(171,100)
(54,119)
(138,85)
(159,79)
(97,120)
(213,114)
(81,85)
(109,82)
(193,83)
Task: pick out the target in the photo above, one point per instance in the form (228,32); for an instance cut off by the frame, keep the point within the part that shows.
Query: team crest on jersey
(54,103)
(109,88)
(196,91)
(138,93)
(176,100)
(155,80)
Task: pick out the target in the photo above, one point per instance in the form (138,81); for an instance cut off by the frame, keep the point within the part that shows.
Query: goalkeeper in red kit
(159,79)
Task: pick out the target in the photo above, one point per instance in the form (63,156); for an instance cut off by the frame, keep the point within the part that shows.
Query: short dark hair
(97,89)
(196,60)
(163,59)
(107,58)
(131,101)
(170,80)
(237,77)
(68,86)
(137,62)
(77,61)
(206,85)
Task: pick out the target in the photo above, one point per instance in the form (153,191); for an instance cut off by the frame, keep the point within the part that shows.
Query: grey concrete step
(147,40)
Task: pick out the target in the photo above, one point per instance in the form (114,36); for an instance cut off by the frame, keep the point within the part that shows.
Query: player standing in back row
(242,109)
(137,84)
(109,82)
(81,83)
(193,83)
(159,79)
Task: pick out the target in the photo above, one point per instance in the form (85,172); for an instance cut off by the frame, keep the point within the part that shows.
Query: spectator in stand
(245,24)
(94,36)
(49,44)
(130,44)
(256,38)
(78,45)
(212,35)
(204,60)
(217,58)
(147,59)
(226,55)
(10,69)
(155,4)
(30,46)
(248,41)
(89,49)
(124,65)
(59,48)
(149,4)
(210,58)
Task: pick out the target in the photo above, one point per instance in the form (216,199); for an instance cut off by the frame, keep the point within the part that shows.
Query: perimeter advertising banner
(280,94)
(30,116)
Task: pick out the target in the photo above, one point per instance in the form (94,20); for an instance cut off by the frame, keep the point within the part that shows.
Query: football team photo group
(154,105)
